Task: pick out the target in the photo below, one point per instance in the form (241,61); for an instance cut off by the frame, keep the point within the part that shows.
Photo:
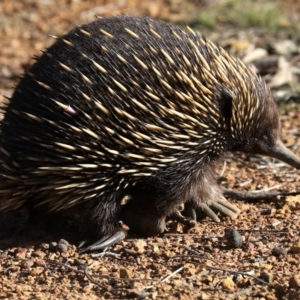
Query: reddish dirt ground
(41,261)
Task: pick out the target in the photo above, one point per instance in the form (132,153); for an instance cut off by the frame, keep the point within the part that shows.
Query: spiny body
(129,106)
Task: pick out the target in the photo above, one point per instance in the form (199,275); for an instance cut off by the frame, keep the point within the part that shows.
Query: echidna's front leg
(210,209)
(208,200)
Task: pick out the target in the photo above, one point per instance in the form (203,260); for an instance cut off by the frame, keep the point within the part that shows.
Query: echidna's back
(92,57)
(95,102)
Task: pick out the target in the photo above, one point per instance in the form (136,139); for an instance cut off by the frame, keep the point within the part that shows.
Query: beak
(281,152)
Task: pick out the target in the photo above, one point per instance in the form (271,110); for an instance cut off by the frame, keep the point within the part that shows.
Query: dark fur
(154,197)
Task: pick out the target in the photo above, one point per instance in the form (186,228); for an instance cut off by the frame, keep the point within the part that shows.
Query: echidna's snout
(280,151)
(275,148)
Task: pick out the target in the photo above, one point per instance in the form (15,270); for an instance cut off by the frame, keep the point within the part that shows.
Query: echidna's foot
(104,242)
(221,205)
(144,220)
(186,220)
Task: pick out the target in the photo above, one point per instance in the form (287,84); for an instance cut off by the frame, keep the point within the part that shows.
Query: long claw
(210,213)
(190,212)
(197,211)
(186,220)
(104,242)
(87,241)
(219,206)
(228,205)
(82,243)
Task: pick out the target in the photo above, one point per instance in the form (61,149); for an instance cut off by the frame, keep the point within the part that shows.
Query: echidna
(137,108)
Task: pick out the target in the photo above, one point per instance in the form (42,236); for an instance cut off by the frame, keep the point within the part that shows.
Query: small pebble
(294,281)
(279,251)
(295,249)
(124,273)
(52,246)
(228,284)
(62,246)
(233,237)
(26,264)
(248,246)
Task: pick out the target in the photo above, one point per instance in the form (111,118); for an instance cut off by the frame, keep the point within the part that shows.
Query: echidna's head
(249,117)
(255,122)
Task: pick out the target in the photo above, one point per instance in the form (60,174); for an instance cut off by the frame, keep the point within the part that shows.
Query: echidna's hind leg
(149,205)
(105,241)
(143,216)
(102,217)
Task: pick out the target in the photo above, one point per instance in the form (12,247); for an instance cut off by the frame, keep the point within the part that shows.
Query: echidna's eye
(265,142)
(266,139)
